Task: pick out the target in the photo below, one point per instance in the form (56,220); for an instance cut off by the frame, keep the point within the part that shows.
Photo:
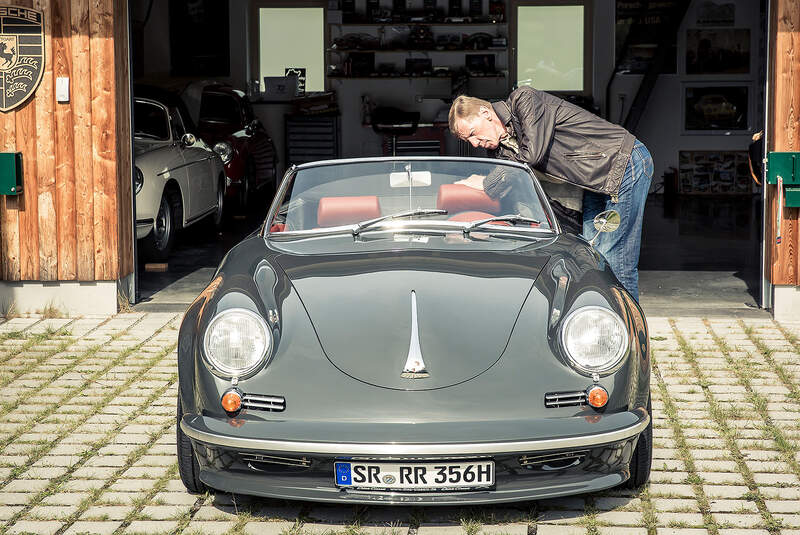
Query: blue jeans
(621,247)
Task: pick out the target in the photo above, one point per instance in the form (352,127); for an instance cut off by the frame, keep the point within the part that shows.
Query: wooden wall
(783,262)
(73,220)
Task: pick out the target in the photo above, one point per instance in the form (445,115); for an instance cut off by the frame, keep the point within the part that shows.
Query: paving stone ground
(87,442)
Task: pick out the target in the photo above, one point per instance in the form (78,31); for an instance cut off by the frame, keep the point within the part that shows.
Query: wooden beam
(65,147)
(82,130)
(785,133)
(124,157)
(46,155)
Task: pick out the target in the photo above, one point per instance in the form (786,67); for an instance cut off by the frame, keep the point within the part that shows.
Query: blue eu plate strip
(343,474)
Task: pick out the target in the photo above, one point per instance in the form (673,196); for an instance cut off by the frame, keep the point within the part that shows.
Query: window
(292,38)
(553,42)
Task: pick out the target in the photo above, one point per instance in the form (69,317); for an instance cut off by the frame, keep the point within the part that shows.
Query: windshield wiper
(407,213)
(511,218)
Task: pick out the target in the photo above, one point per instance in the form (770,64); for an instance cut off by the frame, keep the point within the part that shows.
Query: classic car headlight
(237,341)
(138,179)
(595,339)
(225,151)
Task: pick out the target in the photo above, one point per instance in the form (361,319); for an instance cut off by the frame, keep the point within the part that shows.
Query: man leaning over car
(572,146)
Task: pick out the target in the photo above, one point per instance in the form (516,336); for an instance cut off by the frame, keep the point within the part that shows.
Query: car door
(199,166)
(157,154)
(261,148)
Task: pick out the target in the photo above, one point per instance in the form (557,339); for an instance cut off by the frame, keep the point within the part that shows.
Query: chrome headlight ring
(236,343)
(595,340)
(225,151)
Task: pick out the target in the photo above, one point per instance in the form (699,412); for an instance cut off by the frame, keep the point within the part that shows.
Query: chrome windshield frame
(291,172)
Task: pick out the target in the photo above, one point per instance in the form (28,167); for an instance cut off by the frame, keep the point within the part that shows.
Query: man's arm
(538,126)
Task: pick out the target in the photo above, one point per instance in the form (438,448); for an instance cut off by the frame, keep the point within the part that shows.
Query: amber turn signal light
(231,401)
(597,396)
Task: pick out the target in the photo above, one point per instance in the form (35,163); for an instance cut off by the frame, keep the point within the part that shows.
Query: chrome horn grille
(262,402)
(564,399)
(297,462)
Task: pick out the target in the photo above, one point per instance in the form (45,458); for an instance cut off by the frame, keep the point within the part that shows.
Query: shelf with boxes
(430,50)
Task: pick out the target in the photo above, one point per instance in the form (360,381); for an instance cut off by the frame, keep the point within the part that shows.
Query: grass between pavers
(717,413)
(56,483)
(788,448)
(785,377)
(685,453)
(7,407)
(31,341)
(73,392)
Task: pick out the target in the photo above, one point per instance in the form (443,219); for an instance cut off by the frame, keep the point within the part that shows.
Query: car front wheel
(188,467)
(642,455)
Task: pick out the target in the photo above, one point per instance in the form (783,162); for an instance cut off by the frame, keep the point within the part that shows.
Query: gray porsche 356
(392,335)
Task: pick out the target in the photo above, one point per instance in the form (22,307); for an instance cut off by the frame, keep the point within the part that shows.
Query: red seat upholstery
(335,211)
(460,198)
(469,217)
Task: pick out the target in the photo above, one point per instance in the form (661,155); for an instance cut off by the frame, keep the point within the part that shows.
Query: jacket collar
(502,110)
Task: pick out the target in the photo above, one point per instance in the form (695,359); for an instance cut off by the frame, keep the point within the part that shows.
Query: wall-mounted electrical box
(784,168)
(10,173)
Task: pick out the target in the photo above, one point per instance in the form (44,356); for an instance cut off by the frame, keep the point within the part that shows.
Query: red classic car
(228,123)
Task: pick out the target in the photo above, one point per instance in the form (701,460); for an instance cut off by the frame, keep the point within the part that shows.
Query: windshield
(428,192)
(150,121)
(219,108)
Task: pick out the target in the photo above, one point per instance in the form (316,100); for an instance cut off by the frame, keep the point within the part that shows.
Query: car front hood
(362,309)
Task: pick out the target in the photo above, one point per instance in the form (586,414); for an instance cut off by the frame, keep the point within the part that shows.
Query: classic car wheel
(219,214)
(642,455)
(158,244)
(188,466)
(247,182)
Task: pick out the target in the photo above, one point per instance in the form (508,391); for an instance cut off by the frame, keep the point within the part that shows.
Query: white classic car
(178,179)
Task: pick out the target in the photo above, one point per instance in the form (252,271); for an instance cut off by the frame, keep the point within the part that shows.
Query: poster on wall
(714,172)
(21,55)
(199,38)
(715,108)
(718,51)
(639,24)
(716,13)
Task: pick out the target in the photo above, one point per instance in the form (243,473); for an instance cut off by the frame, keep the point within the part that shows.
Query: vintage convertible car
(395,335)
(178,178)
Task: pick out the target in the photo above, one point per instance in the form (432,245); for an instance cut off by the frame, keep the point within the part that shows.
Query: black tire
(158,244)
(218,218)
(642,455)
(246,187)
(188,467)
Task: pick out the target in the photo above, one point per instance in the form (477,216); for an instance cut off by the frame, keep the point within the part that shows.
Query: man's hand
(473,181)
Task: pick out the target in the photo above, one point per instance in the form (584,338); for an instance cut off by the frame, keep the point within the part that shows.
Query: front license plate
(414,476)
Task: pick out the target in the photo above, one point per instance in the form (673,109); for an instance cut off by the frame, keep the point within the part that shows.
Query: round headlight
(595,339)
(225,151)
(237,341)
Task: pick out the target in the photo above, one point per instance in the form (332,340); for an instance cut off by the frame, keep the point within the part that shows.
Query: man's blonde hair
(465,107)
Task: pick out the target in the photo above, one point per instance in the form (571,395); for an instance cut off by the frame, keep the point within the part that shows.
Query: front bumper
(304,470)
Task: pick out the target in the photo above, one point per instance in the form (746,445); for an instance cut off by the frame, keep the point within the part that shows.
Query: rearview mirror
(607,221)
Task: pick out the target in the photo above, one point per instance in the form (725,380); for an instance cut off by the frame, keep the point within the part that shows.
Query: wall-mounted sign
(21,54)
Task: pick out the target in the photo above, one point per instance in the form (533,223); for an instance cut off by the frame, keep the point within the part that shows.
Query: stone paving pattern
(87,442)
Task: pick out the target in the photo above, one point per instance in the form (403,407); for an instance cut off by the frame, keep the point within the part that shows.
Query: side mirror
(607,221)
(187,140)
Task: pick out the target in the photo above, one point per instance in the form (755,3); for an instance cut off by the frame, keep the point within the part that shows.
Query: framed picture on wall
(716,108)
(718,51)
(706,172)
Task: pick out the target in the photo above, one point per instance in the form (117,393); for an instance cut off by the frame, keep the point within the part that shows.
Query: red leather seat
(470,216)
(457,198)
(335,211)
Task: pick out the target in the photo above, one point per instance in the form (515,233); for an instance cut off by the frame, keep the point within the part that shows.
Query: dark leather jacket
(564,140)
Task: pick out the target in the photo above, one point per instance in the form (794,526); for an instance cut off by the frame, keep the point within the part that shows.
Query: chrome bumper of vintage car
(196,429)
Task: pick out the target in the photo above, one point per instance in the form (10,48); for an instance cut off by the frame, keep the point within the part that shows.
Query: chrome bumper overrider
(189,425)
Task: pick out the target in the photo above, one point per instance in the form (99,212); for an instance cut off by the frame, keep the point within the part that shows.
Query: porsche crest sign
(21,54)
